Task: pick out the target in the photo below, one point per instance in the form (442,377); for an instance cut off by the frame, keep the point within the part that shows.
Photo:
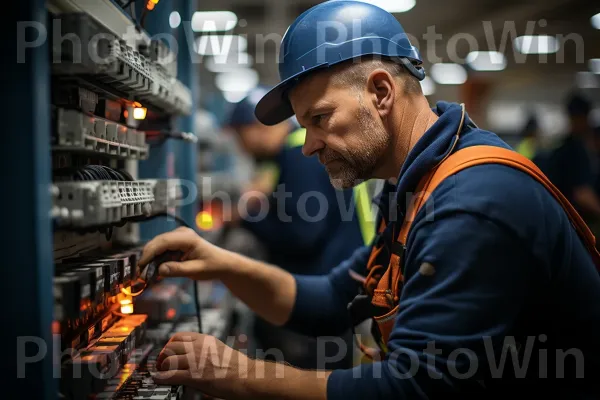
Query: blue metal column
(27,244)
(188,75)
(161,161)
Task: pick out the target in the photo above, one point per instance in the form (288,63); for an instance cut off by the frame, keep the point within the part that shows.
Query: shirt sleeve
(321,301)
(453,312)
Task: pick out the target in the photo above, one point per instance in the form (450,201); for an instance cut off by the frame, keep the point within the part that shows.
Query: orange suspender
(386,294)
(477,155)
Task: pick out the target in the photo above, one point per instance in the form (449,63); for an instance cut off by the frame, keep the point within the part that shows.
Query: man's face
(262,141)
(344,130)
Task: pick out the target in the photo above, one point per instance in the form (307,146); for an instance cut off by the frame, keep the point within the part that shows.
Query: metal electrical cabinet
(98,143)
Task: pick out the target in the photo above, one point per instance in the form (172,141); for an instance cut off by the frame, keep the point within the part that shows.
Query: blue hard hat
(242,113)
(330,33)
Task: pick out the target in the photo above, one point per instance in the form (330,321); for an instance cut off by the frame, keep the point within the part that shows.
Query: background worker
(309,228)
(571,165)
(496,273)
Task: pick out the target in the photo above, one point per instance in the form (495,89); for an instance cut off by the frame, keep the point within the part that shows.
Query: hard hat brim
(275,105)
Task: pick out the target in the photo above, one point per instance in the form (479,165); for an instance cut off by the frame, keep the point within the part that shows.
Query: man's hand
(205,363)
(217,370)
(269,291)
(201,260)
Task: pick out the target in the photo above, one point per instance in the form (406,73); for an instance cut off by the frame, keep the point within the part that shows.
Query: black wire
(196,298)
(143,18)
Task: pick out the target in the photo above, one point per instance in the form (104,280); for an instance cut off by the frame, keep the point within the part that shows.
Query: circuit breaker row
(104,202)
(115,366)
(109,60)
(75,130)
(84,282)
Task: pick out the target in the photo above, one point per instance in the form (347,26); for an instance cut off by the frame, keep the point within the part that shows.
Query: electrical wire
(164,135)
(94,173)
(195,284)
(181,222)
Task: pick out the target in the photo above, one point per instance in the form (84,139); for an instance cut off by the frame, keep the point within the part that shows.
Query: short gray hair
(354,73)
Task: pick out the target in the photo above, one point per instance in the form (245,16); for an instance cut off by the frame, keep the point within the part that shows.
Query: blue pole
(187,74)
(161,161)
(27,250)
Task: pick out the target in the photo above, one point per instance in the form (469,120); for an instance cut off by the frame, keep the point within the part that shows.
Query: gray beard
(359,165)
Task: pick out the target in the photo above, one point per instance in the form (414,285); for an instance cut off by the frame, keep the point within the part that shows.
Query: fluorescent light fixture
(229,63)
(174,19)
(392,6)
(587,80)
(594,65)
(531,44)
(448,74)
(221,45)
(241,80)
(486,60)
(428,86)
(506,116)
(213,21)
(234,97)
(595,20)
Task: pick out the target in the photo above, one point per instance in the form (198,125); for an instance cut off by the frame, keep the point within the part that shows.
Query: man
(493,269)
(308,227)
(571,165)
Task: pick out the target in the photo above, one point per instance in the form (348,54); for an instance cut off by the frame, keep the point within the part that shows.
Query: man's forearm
(269,380)
(269,291)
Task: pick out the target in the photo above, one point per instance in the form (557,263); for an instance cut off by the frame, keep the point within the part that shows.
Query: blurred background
(540,51)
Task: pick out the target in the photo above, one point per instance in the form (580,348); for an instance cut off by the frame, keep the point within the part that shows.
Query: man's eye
(317,119)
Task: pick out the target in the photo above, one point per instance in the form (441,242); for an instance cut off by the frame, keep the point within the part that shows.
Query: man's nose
(312,144)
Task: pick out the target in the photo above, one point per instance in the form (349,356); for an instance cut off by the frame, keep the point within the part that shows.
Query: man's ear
(383,87)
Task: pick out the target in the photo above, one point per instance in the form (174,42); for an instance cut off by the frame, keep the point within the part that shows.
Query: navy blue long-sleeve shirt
(508,269)
(310,227)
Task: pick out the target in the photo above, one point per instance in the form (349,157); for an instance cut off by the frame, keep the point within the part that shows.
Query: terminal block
(167,192)
(75,130)
(85,204)
(92,203)
(112,63)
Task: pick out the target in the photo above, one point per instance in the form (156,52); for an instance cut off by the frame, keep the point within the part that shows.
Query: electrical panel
(115,101)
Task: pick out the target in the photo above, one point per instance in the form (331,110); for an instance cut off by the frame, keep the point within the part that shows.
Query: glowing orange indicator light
(126,306)
(171,312)
(204,220)
(139,113)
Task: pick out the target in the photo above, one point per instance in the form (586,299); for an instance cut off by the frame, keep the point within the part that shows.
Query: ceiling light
(241,80)
(234,97)
(594,65)
(428,86)
(174,19)
(221,45)
(587,80)
(214,21)
(531,44)
(392,6)
(596,21)
(486,60)
(229,63)
(448,74)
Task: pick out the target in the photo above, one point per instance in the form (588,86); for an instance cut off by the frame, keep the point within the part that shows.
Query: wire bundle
(94,173)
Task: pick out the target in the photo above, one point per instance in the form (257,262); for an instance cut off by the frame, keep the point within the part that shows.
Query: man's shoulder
(500,193)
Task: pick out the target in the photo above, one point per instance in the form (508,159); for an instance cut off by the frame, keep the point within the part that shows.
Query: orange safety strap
(477,155)
(374,270)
